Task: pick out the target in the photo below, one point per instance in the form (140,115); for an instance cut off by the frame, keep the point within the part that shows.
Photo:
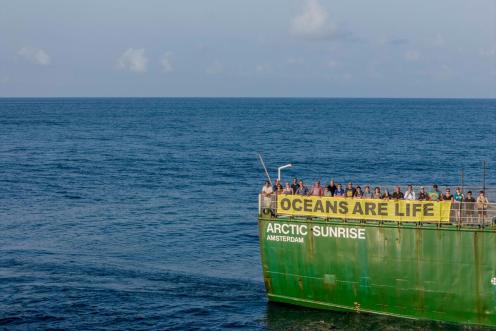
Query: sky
(236,48)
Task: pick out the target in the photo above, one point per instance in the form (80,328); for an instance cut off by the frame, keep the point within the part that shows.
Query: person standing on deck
(332,187)
(267,193)
(366,192)
(469,206)
(410,193)
(317,190)
(295,185)
(457,203)
(287,189)
(350,191)
(302,190)
(386,195)
(339,191)
(447,196)
(482,203)
(358,192)
(397,194)
(377,193)
(422,196)
(434,195)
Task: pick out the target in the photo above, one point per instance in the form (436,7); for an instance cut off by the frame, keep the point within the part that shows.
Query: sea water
(142,213)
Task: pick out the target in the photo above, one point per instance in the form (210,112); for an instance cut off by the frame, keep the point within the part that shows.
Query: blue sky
(442,48)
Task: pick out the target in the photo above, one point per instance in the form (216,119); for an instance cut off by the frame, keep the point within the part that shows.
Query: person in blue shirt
(302,190)
(366,193)
(339,191)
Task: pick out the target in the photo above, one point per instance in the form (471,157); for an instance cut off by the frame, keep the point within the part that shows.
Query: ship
(425,260)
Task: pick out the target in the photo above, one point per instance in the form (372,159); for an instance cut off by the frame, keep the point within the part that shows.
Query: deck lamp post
(289,165)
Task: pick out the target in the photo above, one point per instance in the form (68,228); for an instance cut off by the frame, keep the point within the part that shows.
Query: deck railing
(462,214)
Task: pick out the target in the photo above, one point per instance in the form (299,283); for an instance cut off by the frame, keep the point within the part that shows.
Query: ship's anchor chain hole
(357,307)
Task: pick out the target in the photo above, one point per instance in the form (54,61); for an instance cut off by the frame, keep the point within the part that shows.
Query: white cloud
(488,52)
(34,55)
(133,60)
(411,56)
(314,23)
(263,68)
(215,68)
(166,62)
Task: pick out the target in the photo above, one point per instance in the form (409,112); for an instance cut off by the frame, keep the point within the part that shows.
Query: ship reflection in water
(287,317)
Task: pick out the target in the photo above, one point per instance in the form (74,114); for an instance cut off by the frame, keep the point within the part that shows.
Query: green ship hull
(432,272)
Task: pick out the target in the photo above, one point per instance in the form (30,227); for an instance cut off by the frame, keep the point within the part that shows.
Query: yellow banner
(364,209)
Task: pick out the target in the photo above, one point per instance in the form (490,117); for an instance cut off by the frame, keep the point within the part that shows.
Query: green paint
(422,272)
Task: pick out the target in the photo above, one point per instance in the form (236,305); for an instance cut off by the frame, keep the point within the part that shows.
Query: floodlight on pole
(280,168)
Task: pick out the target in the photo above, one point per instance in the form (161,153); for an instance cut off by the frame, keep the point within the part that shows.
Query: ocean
(141,213)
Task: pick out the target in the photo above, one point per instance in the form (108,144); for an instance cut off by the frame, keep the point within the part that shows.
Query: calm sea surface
(141,213)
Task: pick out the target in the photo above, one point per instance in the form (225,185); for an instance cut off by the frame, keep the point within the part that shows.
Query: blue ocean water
(141,213)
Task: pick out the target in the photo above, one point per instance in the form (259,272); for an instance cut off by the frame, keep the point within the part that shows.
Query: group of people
(459,199)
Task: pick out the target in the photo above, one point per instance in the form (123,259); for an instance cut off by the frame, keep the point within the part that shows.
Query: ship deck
(448,215)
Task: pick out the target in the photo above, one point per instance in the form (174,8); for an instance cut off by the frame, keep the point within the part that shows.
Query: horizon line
(240,97)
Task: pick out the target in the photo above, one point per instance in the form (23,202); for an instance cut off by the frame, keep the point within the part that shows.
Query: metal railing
(464,213)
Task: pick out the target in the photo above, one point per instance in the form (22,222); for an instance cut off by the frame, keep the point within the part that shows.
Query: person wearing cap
(409,194)
(422,196)
(434,195)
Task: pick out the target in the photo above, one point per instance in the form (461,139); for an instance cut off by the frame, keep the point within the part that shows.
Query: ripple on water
(141,213)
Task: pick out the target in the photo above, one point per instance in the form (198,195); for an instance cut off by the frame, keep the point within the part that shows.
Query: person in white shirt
(267,193)
(409,194)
